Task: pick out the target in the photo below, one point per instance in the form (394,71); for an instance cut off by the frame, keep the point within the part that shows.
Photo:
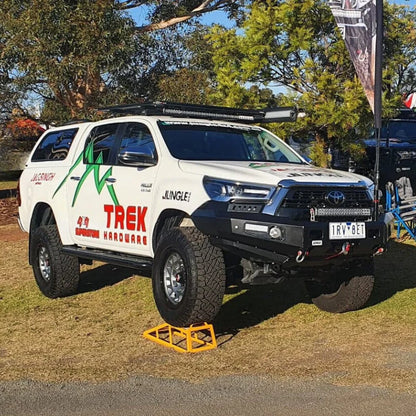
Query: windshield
(401,130)
(198,141)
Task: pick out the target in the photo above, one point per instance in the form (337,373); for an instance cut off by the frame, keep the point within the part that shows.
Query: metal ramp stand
(196,338)
(403,210)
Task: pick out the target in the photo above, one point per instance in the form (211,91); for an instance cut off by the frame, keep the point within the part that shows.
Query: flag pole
(378,74)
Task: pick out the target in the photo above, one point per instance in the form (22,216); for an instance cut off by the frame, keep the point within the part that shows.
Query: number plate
(346,230)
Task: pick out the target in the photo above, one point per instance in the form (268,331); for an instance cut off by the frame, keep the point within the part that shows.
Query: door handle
(75,178)
(111,180)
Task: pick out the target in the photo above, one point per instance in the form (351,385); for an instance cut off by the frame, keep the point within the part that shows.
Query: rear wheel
(188,277)
(343,291)
(56,274)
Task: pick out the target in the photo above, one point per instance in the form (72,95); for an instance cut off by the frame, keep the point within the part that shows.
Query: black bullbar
(269,238)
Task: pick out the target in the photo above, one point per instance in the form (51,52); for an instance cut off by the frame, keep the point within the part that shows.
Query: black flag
(357,21)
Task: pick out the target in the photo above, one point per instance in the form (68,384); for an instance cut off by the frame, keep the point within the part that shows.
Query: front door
(111,199)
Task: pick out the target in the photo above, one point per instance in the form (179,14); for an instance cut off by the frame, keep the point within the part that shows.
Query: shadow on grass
(258,304)
(395,272)
(106,275)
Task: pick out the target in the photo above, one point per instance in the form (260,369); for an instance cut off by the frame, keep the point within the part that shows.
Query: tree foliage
(77,55)
(399,54)
(295,44)
(62,50)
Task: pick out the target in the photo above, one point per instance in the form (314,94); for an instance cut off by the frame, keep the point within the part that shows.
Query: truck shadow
(395,271)
(105,275)
(259,303)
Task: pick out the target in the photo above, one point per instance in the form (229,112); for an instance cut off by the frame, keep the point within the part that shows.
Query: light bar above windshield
(267,115)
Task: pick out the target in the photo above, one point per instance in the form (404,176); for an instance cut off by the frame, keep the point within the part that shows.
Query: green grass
(269,331)
(8,185)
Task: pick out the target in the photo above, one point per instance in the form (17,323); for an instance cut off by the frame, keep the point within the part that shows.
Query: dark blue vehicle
(397,150)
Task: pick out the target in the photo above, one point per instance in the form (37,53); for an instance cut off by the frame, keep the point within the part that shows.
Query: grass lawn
(8,185)
(267,331)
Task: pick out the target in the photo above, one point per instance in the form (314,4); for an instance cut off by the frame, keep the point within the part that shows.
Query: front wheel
(188,277)
(343,291)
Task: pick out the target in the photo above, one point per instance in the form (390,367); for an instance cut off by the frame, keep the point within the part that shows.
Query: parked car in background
(397,151)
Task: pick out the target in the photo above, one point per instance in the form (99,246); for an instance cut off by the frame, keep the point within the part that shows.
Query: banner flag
(410,101)
(357,21)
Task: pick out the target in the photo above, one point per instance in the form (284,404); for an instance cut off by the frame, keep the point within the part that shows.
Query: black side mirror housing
(138,159)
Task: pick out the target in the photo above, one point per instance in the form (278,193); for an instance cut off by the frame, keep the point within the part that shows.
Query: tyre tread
(204,303)
(65,268)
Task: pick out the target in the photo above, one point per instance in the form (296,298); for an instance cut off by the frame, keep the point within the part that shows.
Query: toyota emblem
(335,197)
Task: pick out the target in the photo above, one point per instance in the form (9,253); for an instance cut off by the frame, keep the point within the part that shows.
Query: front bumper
(248,235)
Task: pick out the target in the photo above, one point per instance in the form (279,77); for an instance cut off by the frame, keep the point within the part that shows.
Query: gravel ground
(243,395)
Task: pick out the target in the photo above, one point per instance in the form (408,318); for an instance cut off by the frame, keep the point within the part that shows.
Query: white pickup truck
(197,194)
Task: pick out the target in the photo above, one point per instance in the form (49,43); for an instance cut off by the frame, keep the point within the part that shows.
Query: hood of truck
(270,173)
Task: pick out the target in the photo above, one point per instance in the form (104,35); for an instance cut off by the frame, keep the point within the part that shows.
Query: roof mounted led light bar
(267,115)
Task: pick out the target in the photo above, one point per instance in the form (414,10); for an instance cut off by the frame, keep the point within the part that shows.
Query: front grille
(299,202)
(308,198)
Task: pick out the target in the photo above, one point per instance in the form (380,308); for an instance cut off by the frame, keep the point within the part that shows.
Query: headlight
(222,190)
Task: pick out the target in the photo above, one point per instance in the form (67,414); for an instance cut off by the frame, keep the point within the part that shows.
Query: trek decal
(91,166)
(177,195)
(125,224)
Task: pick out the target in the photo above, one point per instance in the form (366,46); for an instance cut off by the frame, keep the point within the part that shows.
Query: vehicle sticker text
(125,223)
(83,231)
(177,195)
(43,177)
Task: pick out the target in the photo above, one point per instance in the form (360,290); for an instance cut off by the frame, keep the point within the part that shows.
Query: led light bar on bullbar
(267,115)
(342,212)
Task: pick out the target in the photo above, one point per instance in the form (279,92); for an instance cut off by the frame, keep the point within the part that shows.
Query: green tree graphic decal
(91,166)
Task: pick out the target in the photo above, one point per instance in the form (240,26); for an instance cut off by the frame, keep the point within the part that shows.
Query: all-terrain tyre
(188,277)
(344,291)
(56,273)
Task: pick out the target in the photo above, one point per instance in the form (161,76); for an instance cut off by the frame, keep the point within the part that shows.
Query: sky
(139,14)
(411,3)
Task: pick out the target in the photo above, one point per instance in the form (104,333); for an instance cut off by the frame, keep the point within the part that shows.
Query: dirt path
(8,211)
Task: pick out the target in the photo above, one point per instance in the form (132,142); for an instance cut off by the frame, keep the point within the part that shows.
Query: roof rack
(406,114)
(267,115)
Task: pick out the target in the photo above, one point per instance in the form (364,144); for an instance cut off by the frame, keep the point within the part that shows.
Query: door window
(100,145)
(137,140)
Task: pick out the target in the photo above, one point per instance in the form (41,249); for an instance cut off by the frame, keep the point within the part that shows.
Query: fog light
(276,233)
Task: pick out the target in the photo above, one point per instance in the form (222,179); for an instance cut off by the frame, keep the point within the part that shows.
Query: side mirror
(138,159)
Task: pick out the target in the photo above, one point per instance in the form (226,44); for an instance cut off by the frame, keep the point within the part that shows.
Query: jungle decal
(91,166)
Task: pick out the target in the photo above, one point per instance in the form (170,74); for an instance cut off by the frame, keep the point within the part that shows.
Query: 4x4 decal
(91,166)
